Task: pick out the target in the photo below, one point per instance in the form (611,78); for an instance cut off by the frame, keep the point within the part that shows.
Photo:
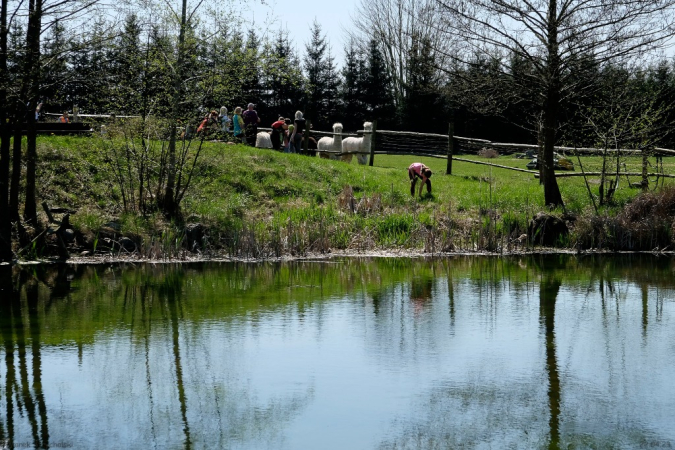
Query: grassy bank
(259,203)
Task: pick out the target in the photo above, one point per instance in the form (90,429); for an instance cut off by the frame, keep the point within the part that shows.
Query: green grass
(258,202)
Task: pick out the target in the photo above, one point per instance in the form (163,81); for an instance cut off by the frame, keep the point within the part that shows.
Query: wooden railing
(386,142)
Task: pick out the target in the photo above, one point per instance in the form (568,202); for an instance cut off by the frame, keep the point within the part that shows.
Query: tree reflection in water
(202,394)
(22,392)
(548,294)
(471,409)
(476,351)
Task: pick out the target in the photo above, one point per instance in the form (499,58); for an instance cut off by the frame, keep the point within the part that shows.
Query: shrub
(488,153)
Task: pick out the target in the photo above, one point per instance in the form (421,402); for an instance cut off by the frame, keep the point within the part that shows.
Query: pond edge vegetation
(257,204)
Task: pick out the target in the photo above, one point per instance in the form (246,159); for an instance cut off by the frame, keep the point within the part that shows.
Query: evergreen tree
(283,77)
(378,98)
(660,83)
(252,90)
(315,69)
(236,60)
(322,81)
(193,95)
(126,65)
(89,85)
(222,63)
(55,70)
(425,110)
(15,49)
(157,78)
(331,101)
(352,88)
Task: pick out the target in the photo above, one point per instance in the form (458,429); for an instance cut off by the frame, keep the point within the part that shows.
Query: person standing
(238,122)
(210,123)
(64,118)
(251,121)
(278,129)
(298,129)
(287,136)
(224,120)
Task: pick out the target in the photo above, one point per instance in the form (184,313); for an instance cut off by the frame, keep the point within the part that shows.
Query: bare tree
(5,224)
(396,25)
(553,35)
(172,193)
(38,15)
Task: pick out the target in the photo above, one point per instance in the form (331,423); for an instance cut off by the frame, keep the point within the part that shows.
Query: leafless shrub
(369,204)
(645,224)
(488,153)
(346,199)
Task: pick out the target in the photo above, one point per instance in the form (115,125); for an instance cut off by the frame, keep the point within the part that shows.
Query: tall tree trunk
(15,181)
(170,204)
(5,135)
(552,195)
(32,75)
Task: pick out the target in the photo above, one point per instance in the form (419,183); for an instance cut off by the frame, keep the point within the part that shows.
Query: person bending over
(419,170)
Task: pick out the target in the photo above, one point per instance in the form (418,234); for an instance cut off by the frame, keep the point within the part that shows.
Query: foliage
(291,204)
(322,82)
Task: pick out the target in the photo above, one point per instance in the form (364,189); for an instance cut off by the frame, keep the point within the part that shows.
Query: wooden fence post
(645,163)
(451,146)
(540,152)
(372,144)
(305,144)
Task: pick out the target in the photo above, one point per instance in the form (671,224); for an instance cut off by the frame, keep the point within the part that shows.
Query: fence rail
(387,142)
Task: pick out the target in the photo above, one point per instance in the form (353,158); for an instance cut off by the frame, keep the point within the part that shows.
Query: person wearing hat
(251,121)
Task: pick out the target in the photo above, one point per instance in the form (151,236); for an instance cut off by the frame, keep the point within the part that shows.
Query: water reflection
(548,295)
(23,390)
(545,352)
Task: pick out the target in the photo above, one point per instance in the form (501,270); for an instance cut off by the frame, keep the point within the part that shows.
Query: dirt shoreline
(323,257)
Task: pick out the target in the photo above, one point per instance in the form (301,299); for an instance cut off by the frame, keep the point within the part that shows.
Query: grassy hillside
(262,203)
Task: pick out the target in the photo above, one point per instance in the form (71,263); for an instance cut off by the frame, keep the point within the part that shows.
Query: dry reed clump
(488,153)
(592,231)
(451,234)
(346,199)
(364,206)
(645,224)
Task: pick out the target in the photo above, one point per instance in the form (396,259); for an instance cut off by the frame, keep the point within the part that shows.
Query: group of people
(286,133)
(244,125)
(289,134)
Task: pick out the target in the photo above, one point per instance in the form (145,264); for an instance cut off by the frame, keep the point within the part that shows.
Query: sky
(297,17)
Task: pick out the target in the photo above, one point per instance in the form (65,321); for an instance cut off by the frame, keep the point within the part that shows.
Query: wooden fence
(447,146)
(385,142)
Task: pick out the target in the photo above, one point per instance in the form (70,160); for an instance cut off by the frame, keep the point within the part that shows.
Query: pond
(474,352)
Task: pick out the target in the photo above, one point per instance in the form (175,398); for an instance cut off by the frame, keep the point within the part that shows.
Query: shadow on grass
(427,197)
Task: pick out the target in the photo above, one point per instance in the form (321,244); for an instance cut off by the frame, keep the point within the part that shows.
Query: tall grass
(257,203)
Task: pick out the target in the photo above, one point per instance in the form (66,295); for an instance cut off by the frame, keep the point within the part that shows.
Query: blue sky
(297,17)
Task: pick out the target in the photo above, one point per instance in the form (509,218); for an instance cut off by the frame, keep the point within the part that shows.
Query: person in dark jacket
(298,128)
(251,121)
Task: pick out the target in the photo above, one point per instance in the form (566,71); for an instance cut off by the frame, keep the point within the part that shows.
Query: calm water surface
(470,352)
